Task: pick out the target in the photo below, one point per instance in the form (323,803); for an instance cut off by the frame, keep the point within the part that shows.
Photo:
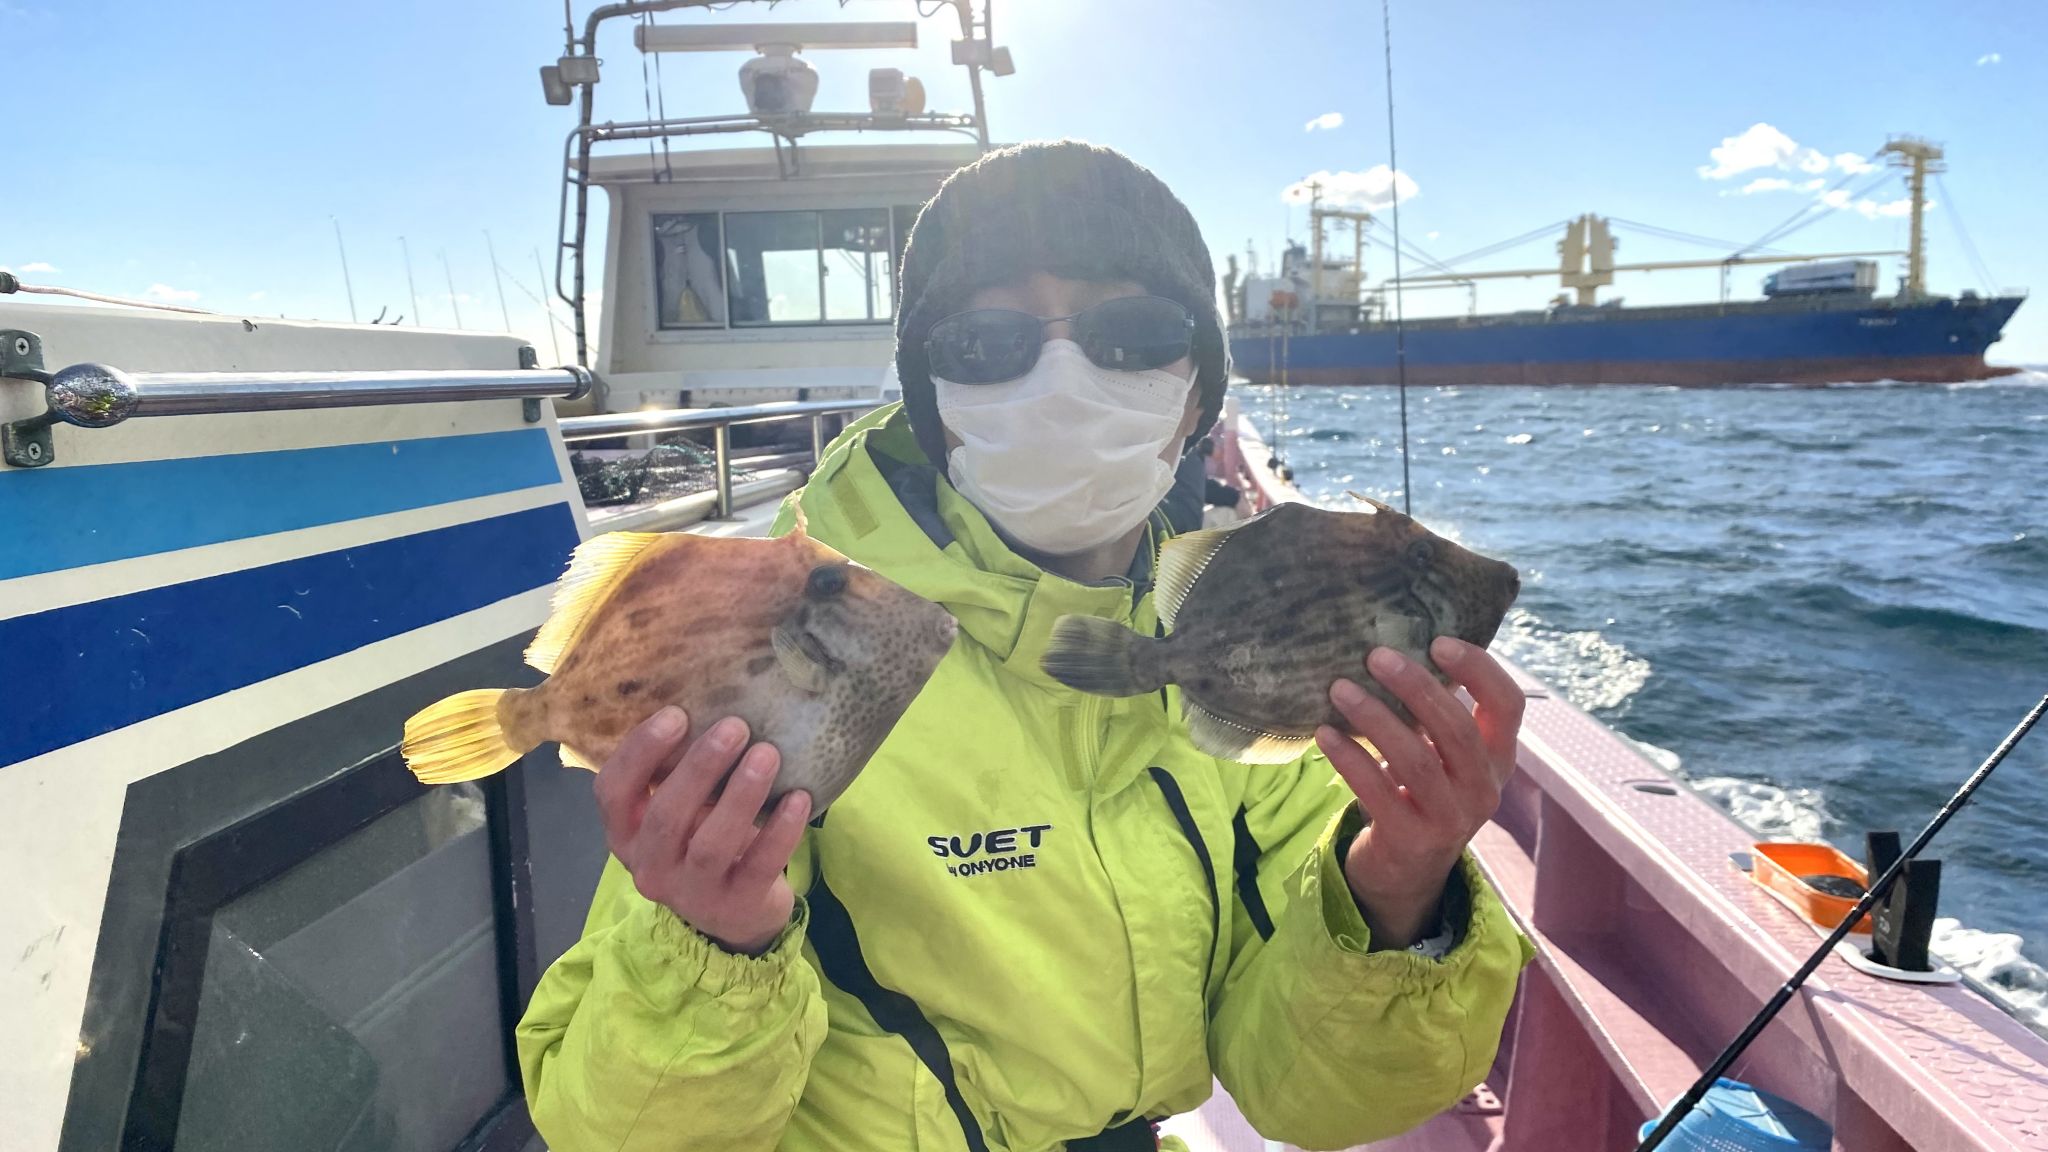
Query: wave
(1835,609)
(2022,547)
(1995,961)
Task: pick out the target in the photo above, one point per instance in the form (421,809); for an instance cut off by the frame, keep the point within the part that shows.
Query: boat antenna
(346,281)
(1878,888)
(418,317)
(1400,317)
(453,303)
(498,275)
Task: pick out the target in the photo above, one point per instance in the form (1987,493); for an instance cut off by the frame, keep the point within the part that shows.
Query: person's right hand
(704,861)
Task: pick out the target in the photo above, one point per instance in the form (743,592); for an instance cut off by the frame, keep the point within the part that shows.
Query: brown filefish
(819,656)
(1266,614)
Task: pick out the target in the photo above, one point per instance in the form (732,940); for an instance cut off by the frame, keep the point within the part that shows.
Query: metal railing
(100,396)
(720,421)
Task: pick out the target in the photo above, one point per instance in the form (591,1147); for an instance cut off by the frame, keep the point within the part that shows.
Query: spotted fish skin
(1265,615)
(818,655)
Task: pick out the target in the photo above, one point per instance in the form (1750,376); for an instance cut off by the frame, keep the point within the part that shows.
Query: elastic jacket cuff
(1472,913)
(667,953)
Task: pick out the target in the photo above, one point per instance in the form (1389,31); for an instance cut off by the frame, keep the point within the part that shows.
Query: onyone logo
(997,850)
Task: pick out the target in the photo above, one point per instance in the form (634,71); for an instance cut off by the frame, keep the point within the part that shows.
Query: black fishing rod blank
(1878,888)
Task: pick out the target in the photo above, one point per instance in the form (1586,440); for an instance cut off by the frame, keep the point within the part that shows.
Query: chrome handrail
(720,422)
(99,396)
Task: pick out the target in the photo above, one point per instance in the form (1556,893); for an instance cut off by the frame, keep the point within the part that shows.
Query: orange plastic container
(1779,866)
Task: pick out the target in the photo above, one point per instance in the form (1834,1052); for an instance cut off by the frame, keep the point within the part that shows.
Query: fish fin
(1181,561)
(1101,657)
(1229,740)
(1376,505)
(594,570)
(571,758)
(803,668)
(459,739)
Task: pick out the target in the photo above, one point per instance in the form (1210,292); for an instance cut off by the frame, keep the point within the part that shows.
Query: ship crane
(1586,261)
(1586,254)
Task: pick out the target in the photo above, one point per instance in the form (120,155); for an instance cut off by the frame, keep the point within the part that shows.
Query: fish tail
(1102,657)
(461,738)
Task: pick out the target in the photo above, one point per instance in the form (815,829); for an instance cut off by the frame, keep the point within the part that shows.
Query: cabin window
(354,1000)
(689,279)
(858,264)
(772,263)
(825,267)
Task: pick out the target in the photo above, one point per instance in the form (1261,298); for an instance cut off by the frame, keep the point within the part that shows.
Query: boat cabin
(738,276)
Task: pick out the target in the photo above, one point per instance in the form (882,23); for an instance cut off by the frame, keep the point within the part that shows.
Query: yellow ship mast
(1918,157)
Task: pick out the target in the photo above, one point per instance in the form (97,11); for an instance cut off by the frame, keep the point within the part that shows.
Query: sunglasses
(992,345)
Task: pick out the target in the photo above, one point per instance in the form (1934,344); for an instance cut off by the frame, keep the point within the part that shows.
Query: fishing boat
(1316,320)
(243,551)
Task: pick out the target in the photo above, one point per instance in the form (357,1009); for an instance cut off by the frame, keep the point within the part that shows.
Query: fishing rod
(1400,312)
(1679,1111)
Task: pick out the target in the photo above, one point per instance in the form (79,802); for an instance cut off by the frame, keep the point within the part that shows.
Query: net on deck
(663,472)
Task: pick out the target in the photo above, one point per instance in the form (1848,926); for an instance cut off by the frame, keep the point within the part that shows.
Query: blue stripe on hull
(88,669)
(72,517)
(1749,333)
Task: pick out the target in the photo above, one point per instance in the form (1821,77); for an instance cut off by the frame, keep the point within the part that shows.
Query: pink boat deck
(1653,950)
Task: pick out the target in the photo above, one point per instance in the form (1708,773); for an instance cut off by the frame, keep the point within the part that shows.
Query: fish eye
(1421,553)
(826,582)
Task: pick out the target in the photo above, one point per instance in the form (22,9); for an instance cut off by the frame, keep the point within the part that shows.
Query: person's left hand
(1441,780)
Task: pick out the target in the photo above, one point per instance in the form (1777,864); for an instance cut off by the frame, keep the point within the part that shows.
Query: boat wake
(1592,671)
(1993,960)
(1600,675)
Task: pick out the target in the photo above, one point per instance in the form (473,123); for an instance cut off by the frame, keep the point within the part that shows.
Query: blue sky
(201,151)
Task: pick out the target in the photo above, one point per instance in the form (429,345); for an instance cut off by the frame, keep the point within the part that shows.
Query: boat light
(759,37)
(558,80)
(553,86)
(893,95)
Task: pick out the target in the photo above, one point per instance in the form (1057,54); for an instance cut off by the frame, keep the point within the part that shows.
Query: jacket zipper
(1087,737)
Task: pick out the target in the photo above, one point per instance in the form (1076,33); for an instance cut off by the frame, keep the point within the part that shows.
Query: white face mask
(1066,457)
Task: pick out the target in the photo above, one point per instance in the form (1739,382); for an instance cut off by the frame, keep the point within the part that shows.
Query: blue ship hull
(1851,340)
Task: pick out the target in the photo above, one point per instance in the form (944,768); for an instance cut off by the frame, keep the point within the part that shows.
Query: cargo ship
(1820,321)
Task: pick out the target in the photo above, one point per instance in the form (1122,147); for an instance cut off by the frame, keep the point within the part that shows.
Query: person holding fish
(1155,818)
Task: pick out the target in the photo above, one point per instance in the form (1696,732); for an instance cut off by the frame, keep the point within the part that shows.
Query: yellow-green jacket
(1036,914)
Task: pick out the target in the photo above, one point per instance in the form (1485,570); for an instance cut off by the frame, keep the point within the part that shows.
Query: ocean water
(1821,607)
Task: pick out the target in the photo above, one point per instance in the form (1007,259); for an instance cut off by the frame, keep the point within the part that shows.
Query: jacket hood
(877,499)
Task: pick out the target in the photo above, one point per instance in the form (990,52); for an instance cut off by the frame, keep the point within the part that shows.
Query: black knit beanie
(1061,207)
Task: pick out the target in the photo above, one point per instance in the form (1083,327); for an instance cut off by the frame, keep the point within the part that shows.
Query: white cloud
(39,266)
(1871,209)
(169,294)
(1326,121)
(1867,208)
(1762,146)
(1431,235)
(1988,58)
(1766,184)
(1375,188)
(255,296)
(1759,146)
(1812,185)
